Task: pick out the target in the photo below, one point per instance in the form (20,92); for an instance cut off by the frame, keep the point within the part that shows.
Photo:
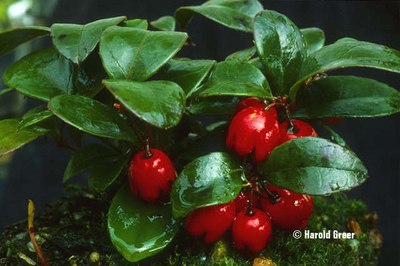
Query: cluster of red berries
(255,131)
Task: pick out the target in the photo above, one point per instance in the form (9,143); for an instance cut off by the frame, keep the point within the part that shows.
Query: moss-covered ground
(75,226)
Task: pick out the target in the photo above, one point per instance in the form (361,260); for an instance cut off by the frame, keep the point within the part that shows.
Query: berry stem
(250,211)
(291,128)
(148,154)
(273,196)
(137,132)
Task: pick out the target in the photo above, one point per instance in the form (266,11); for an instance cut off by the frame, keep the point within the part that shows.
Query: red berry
(213,221)
(292,210)
(253,129)
(253,231)
(242,200)
(302,129)
(253,101)
(333,120)
(149,176)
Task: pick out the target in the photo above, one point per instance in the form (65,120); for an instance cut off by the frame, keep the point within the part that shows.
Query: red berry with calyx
(213,221)
(301,129)
(253,130)
(253,101)
(291,211)
(243,199)
(333,120)
(251,231)
(151,173)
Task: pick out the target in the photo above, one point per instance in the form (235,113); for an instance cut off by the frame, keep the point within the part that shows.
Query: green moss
(76,226)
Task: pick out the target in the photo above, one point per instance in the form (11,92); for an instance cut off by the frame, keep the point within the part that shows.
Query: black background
(36,170)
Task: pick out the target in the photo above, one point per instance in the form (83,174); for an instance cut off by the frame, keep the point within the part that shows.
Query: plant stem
(250,211)
(273,196)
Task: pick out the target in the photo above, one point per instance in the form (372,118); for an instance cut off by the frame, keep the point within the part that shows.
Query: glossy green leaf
(160,103)
(313,166)
(105,165)
(217,105)
(92,117)
(234,14)
(5,91)
(138,229)
(327,133)
(257,63)
(186,73)
(235,79)
(281,49)
(105,171)
(28,120)
(76,42)
(314,37)
(45,73)
(131,53)
(243,55)
(166,23)
(85,158)
(347,96)
(11,139)
(137,23)
(209,180)
(347,52)
(12,38)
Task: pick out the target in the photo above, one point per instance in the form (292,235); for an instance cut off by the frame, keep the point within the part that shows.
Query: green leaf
(281,49)
(92,117)
(11,139)
(327,133)
(166,23)
(160,103)
(209,180)
(85,158)
(347,96)
(28,120)
(347,52)
(5,91)
(313,166)
(45,73)
(235,79)
(12,38)
(217,105)
(314,37)
(105,165)
(137,23)
(138,229)
(243,55)
(234,14)
(76,42)
(131,53)
(186,73)
(105,171)
(257,63)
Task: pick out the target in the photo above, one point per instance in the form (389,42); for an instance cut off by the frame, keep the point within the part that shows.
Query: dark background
(36,170)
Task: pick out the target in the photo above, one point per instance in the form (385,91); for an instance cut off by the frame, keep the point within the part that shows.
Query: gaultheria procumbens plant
(126,86)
